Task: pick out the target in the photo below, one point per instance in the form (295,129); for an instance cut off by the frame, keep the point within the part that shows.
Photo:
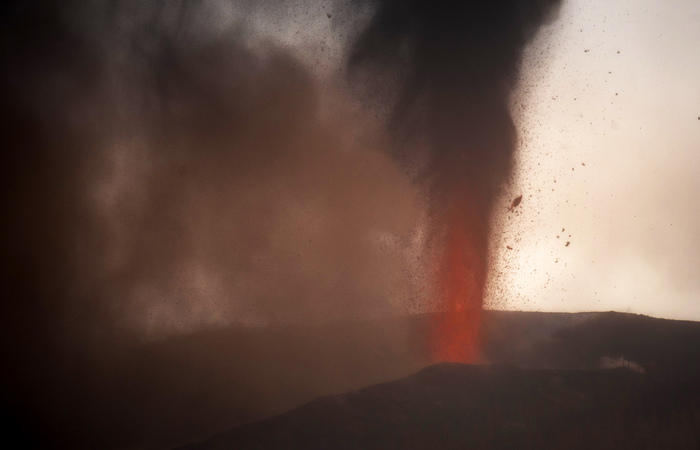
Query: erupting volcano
(181,166)
(456,65)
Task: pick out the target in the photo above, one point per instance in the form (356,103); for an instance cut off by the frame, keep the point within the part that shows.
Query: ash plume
(452,67)
(168,168)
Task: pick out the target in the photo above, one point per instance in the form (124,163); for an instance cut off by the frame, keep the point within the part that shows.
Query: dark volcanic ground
(457,406)
(187,388)
(558,397)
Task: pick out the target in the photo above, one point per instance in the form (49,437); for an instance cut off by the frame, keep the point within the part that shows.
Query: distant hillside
(662,348)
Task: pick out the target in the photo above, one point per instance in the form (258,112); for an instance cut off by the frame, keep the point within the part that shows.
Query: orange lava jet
(460,281)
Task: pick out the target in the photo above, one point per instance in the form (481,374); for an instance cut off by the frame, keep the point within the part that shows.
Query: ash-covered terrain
(548,380)
(457,406)
(584,381)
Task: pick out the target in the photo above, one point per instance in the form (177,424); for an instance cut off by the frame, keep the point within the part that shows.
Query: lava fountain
(460,285)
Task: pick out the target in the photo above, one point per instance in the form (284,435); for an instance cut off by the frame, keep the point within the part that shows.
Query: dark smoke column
(455,63)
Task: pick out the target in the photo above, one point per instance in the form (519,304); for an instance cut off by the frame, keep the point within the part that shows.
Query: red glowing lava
(461,285)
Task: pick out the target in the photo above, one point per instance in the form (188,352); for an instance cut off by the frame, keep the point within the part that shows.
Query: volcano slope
(458,406)
(558,397)
(188,387)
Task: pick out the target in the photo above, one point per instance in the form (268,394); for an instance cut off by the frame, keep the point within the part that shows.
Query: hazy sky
(609,120)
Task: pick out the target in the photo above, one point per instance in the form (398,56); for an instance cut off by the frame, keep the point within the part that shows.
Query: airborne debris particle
(516,202)
(509,247)
(584,164)
(567,243)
